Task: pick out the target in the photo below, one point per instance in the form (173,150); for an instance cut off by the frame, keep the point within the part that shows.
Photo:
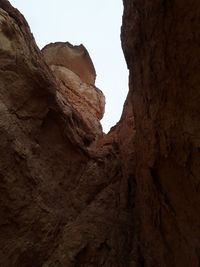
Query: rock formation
(73,57)
(76,75)
(70,196)
(161,45)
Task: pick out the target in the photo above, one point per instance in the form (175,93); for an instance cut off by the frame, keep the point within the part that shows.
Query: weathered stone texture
(73,57)
(75,73)
(70,196)
(161,44)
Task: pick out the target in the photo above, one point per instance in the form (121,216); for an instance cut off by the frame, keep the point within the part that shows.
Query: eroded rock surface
(73,57)
(133,198)
(76,75)
(161,44)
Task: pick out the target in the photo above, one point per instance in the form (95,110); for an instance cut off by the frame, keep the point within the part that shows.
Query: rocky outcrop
(132,199)
(73,57)
(76,75)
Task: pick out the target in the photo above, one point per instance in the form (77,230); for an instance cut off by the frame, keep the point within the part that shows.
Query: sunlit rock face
(76,75)
(70,196)
(74,57)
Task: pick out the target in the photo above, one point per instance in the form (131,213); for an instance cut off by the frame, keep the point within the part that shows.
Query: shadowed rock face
(128,198)
(161,44)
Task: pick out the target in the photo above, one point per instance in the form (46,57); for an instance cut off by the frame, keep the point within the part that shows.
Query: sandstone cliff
(70,196)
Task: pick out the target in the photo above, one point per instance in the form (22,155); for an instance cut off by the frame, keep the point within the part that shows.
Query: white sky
(94,23)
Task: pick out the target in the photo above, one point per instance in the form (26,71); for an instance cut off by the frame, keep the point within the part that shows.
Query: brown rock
(133,198)
(161,44)
(75,73)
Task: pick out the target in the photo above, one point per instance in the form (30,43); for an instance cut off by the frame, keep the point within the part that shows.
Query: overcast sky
(94,23)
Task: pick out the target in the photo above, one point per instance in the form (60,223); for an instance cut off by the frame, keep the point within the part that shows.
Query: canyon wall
(73,196)
(161,40)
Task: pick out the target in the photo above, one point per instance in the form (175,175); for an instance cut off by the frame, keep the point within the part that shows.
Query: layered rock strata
(73,57)
(133,198)
(76,75)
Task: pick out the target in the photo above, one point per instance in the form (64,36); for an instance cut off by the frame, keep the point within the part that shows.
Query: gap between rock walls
(51,24)
(73,196)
